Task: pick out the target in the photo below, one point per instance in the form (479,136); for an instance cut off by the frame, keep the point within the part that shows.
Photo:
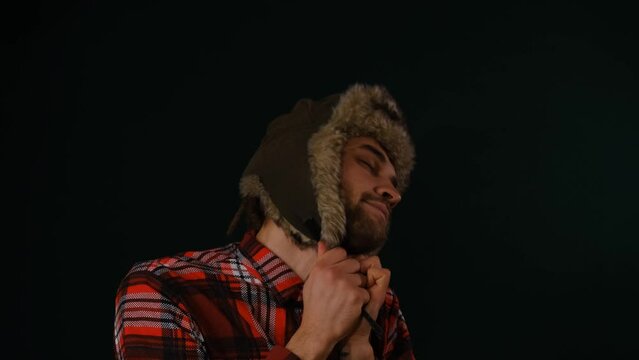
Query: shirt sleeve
(149,325)
(397,343)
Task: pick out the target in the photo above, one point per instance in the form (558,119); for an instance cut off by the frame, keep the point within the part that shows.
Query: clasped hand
(337,289)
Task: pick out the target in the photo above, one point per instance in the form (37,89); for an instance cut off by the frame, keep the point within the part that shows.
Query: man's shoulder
(189,265)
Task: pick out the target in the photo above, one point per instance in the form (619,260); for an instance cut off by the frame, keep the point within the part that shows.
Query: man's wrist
(307,345)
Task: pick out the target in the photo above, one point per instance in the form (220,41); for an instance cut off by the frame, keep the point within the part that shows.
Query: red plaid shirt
(239,301)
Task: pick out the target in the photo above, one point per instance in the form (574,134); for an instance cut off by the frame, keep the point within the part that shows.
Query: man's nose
(389,193)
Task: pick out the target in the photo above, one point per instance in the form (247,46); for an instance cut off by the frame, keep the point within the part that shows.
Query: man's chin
(364,233)
(363,245)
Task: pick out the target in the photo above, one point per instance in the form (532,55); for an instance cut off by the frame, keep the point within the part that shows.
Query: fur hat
(296,171)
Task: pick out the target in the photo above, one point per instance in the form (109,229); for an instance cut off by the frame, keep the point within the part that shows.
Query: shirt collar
(272,271)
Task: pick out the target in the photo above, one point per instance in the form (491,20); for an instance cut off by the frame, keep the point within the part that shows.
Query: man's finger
(369,262)
(378,281)
(363,281)
(378,277)
(358,280)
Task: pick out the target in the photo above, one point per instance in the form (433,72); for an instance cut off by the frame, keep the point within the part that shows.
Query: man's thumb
(321,248)
(378,280)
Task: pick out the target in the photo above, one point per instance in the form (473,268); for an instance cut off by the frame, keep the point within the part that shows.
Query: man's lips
(383,208)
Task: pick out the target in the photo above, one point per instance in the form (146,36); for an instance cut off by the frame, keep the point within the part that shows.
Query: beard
(364,234)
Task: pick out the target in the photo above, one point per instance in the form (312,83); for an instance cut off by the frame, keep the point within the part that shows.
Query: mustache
(375,197)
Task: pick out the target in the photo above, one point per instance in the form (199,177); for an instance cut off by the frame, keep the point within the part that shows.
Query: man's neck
(300,260)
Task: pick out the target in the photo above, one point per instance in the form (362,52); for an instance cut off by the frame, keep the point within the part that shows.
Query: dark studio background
(126,127)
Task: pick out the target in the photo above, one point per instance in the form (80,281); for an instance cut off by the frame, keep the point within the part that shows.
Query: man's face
(369,193)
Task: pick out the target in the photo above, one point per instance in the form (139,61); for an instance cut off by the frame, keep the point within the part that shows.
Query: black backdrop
(129,125)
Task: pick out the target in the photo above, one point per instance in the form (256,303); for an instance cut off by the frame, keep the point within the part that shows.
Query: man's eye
(367,164)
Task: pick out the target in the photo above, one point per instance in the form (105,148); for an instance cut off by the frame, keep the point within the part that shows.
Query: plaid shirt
(239,301)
